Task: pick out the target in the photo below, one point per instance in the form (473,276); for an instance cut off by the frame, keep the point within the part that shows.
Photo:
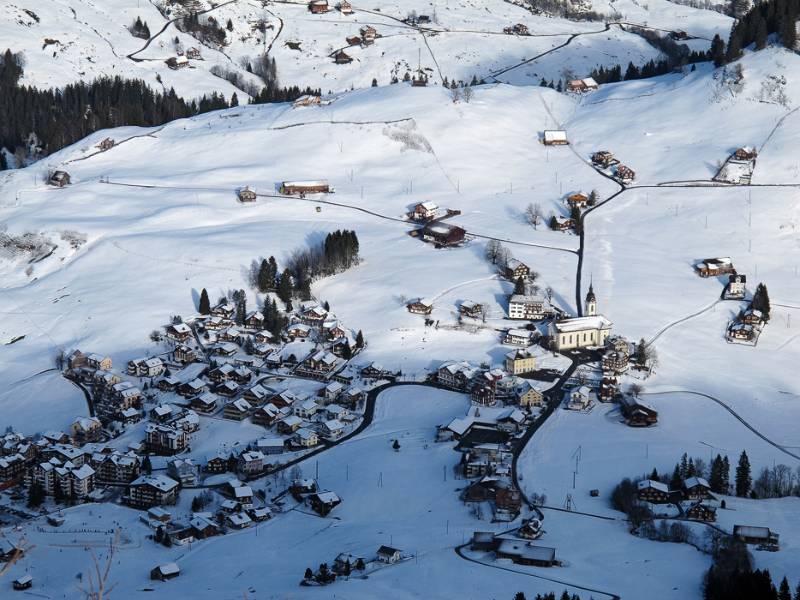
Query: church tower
(590,308)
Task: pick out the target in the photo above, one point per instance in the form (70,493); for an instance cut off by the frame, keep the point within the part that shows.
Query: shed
(555,137)
(166,571)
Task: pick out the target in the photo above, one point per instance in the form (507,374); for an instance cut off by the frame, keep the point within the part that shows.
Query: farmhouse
(515,269)
(656,492)
(300,188)
(756,535)
(741,331)
(318,6)
(519,362)
(165,572)
(345,7)
(603,158)
(238,410)
(324,502)
(696,488)
(59,179)
(582,85)
(247,195)
(636,413)
(342,58)
(471,309)
(368,34)
(555,137)
(580,332)
(713,267)
(580,398)
(525,553)
(179,332)
(530,308)
(388,555)
(745,153)
(192,53)
(735,290)
(424,211)
(528,395)
(420,307)
(625,174)
(443,234)
(177,62)
(518,337)
(579,199)
(701,512)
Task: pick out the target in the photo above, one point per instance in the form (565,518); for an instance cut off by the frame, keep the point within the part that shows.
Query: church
(588,331)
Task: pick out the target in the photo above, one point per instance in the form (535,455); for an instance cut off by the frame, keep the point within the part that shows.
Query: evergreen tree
(676,480)
(147,466)
(553,223)
(690,470)
(262,279)
(285,287)
(519,286)
(684,466)
(654,474)
(784,592)
(396,445)
(761,33)
(359,340)
(309,574)
(234,100)
(734,50)
(347,351)
(575,215)
(347,569)
(718,51)
(715,476)
(35,494)
(519,596)
(205,305)
(159,537)
(726,475)
(761,300)
(743,478)
(374,82)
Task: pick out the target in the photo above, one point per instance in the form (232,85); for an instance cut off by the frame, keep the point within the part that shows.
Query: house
(298,330)
(555,137)
(161,413)
(424,211)
(442,234)
(177,62)
(165,572)
(179,332)
(582,85)
(152,490)
(762,536)
(289,424)
(625,174)
(741,331)
(519,337)
(701,512)
(59,179)
(745,153)
(483,541)
(255,320)
(146,367)
(351,397)
(307,100)
(528,395)
(333,429)
(580,332)
(225,349)
(603,158)
(332,391)
(696,488)
(227,388)
(306,438)
(713,267)
(318,6)
(636,413)
(266,415)
(652,491)
(257,394)
(270,445)
(579,199)
(249,464)
(518,362)
(164,440)
(323,502)
(753,317)
(563,224)
(24,582)
(237,410)
(118,468)
(335,411)
(300,188)
(525,553)
(735,289)
(580,398)
(515,269)
(192,53)
(205,403)
(86,429)
(202,527)
(225,309)
(238,520)
(184,470)
(368,34)
(471,309)
(517,29)
(97,361)
(345,7)
(531,308)
(321,363)
(388,555)
(420,307)
(615,362)
(216,464)
(342,58)
(245,194)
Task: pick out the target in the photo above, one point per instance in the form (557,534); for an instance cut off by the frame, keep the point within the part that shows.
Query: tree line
(777,17)
(36,122)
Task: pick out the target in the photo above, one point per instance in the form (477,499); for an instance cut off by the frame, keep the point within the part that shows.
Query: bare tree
(504,257)
(493,248)
(455,94)
(635,390)
(97,586)
(533,215)
(467,93)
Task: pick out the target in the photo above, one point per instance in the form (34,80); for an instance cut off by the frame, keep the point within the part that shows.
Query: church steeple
(590,307)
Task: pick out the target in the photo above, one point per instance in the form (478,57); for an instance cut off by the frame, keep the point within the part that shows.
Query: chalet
(525,553)
(331,392)
(753,316)
(482,393)
(652,491)
(146,367)
(342,58)
(528,395)
(225,309)
(741,331)
(336,411)
(518,362)
(306,410)
(696,488)
(580,332)
(202,527)
(555,137)
(254,320)
(228,389)
(314,316)
(762,536)
(192,53)
(420,307)
(165,572)
(186,471)
(517,29)
(289,424)
(257,394)
(582,85)
(324,502)
(177,62)
(179,332)
(563,224)
(238,520)
(152,490)
(615,362)
(249,464)
(260,514)
(161,413)
(164,440)
(531,529)
(245,194)
(225,349)
(266,415)
(263,337)
(442,234)
(679,35)
(298,330)
(471,309)
(368,34)
(97,361)
(636,413)
(745,153)
(215,323)
(306,438)
(424,211)
(24,582)
(270,445)
(579,199)
(388,555)
(205,403)
(713,267)
(345,7)
(508,499)
(351,397)
(318,6)
(333,330)
(609,388)
(333,429)
(353,40)
(603,158)
(625,174)
(456,375)
(216,464)
(580,398)
(515,269)
(86,429)
(321,363)
(735,290)
(519,337)
(118,468)
(701,512)
(483,541)
(531,308)
(59,179)
(237,410)
(307,100)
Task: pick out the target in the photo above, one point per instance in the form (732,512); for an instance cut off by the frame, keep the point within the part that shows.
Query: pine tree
(519,286)
(718,51)
(726,475)
(234,100)
(743,477)
(654,474)
(359,340)
(159,537)
(205,305)
(575,215)
(396,445)
(676,480)
(35,494)
(519,596)
(553,224)
(309,574)
(684,465)
(374,82)
(347,351)
(147,466)
(715,476)
(784,592)
(285,287)
(761,300)
(690,470)
(761,33)
(734,45)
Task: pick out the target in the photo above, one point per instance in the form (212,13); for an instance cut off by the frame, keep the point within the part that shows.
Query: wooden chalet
(562,224)
(368,34)
(442,234)
(345,7)
(324,502)
(342,58)
(420,307)
(603,158)
(652,491)
(701,512)
(525,553)
(247,195)
(106,144)
(742,332)
(581,86)
(193,53)
(555,137)
(177,62)
(579,199)
(696,488)
(24,582)
(424,211)
(713,267)
(637,414)
(515,269)
(59,179)
(745,153)
(762,536)
(317,7)
(300,188)
(471,309)
(625,174)
(165,572)
(753,316)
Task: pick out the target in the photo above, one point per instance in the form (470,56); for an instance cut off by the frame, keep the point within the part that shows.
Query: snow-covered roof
(695,482)
(555,135)
(328,497)
(582,323)
(651,483)
(160,482)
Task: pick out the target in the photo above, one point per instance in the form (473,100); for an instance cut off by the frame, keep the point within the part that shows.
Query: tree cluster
(207,31)
(565,595)
(771,17)
(140,29)
(761,300)
(337,253)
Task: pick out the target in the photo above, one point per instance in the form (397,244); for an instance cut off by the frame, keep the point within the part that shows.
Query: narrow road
(666,328)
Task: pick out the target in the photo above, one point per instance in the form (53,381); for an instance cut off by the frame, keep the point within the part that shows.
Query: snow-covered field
(161,222)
